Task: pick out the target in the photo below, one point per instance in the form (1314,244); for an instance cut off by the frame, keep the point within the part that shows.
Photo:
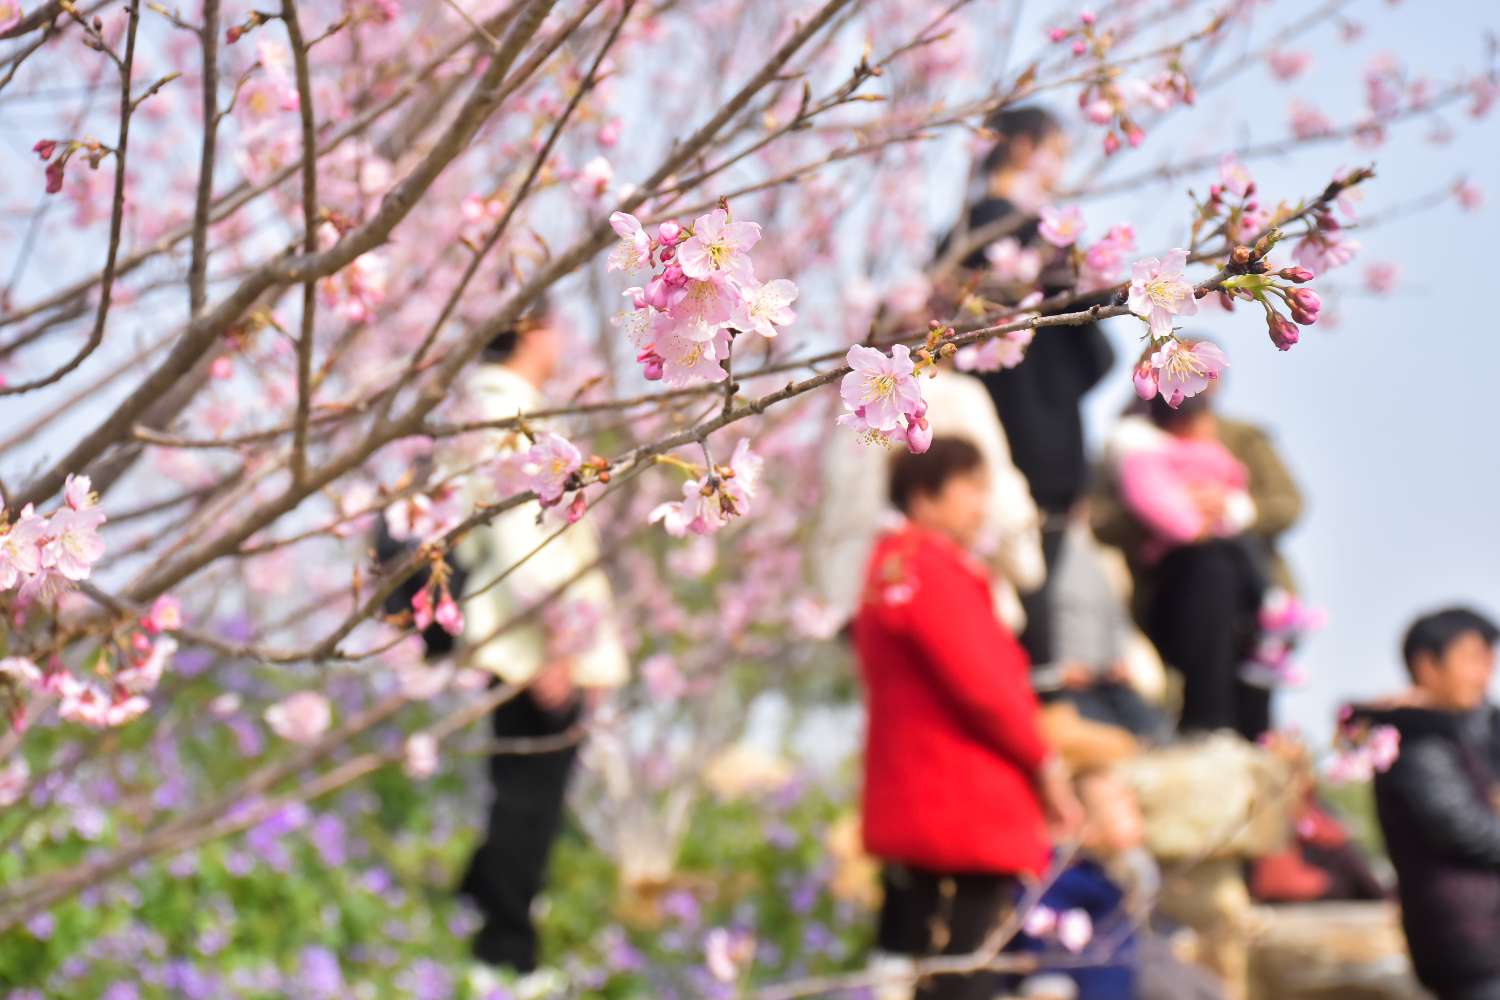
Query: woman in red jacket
(958,787)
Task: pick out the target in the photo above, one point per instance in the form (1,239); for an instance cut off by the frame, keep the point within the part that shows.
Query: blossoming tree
(254,251)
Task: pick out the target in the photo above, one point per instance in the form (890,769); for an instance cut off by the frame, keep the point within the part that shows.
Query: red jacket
(952,745)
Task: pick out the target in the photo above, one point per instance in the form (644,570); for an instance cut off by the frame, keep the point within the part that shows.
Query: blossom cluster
(1361,749)
(683,320)
(1285,620)
(709,501)
(47,554)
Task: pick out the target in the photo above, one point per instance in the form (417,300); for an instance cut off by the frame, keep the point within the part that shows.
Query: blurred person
(1113,879)
(559,669)
(1437,804)
(1039,401)
(1321,863)
(1092,630)
(856,508)
(1198,503)
(959,786)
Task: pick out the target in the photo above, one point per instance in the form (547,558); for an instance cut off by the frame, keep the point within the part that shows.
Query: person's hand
(552,687)
(1076,676)
(1210,499)
(1064,811)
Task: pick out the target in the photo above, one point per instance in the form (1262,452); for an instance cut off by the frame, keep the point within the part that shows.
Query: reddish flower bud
(1111,144)
(1284,333)
(1057,34)
(1297,274)
(54,176)
(1145,380)
(577,508)
(1088,17)
(1305,305)
(1135,136)
(1079,48)
(233,34)
(45,148)
(1240,256)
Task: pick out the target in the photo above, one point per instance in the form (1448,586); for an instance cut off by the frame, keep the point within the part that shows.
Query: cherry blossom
(1321,251)
(633,252)
(1159,292)
(1186,369)
(719,245)
(1005,351)
(419,756)
(21,548)
(709,502)
(16,774)
(764,307)
(301,717)
(551,460)
(1010,261)
(1061,226)
(881,389)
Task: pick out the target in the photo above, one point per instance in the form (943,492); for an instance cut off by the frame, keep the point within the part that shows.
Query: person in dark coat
(1437,805)
(959,785)
(1039,400)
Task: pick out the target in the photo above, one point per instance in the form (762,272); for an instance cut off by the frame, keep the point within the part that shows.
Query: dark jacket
(1443,835)
(1106,969)
(1039,400)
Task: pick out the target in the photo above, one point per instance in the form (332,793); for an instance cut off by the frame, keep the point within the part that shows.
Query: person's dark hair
(503,344)
(1435,632)
(926,474)
(1167,418)
(1035,124)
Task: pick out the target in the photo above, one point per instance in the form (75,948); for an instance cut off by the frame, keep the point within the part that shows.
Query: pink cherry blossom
(1159,292)
(419,756)
(633,252)
(664,682)
(548,464)
(1005,351)
(1321,251)
(448,616)
(1075,929)
(1384,747)
(1010,261)
(881,390)
(719,245)
(1061,226)
(1234,176)
(709,502)
(764,307)
(78,492)
(1288,65)
(74,544)
(20,671)
(726,952)
(701,308)
(165,615)
(1308,122)
(594,179)
(1144,379)
(21,548)
(1040,922)
(1469,196)
(1186,369)
(688,361)
(301,717)
(143,675)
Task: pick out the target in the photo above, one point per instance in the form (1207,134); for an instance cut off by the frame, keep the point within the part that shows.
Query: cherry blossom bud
(1305,305)
(54,176)
(668,232)
(1145,380)
(918,436)
(448,615)
(1079,48)
(609,133)
(1239,256)
(1284,333)
(577,508)
(1297,274)
(233,34)
(1088,17)
(421,606)
(45,148)
(1111,144)
(1135,136)
(1057,34)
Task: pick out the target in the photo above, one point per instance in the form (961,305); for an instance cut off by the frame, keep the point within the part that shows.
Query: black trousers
(508,869)
(1485,990)
(928,913)
(1203,619)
